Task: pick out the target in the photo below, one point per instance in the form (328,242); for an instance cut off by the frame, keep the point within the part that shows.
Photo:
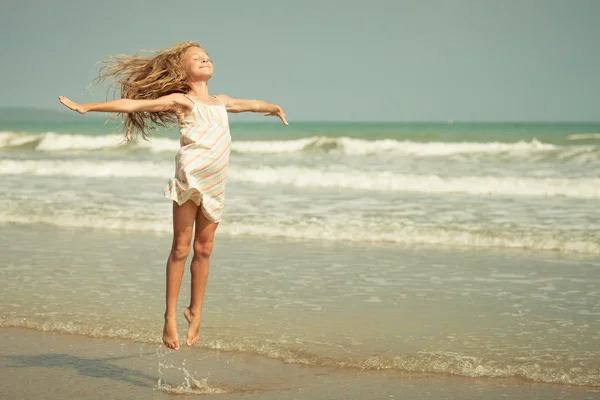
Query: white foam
(83,168)
(584,136)
(11,139)
(302,177)
(392,182)
(351,146)
(53,142)
(329,232)
(410,236)
(443,362)
(271,146)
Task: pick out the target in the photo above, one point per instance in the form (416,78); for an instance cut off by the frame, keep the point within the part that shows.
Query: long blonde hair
(139,77)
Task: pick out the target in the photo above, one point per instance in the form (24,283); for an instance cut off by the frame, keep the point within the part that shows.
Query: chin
(202,77)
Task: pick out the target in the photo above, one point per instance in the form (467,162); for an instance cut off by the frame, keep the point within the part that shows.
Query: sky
(392,60)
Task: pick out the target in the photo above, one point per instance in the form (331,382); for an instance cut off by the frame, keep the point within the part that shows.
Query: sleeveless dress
(201,162)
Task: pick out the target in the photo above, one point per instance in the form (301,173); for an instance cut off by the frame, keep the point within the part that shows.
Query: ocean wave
(351,146)
(304,177)
(447,363)
(388,181)
(55,142)
(565,242)
(584,136)
(423,236)
(85,168)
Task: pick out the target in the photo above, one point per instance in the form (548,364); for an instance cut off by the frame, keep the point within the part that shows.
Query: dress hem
(186,196)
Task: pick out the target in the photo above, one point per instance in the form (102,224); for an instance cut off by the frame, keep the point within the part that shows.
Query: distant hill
(15,114)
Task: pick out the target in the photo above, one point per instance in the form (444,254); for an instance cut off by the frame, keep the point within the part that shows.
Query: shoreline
(377,244)
(518,380)
(112,368)
(92,287)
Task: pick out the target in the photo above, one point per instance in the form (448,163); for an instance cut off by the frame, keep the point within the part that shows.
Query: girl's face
(197,64)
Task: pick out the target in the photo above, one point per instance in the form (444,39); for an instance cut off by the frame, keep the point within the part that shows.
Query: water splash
(189,384)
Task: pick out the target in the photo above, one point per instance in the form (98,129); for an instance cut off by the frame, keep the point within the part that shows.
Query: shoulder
(176,101)
(235,105)
(224,98)
(179,99)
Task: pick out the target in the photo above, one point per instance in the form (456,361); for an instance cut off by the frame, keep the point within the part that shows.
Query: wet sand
(284,319)
(44,365)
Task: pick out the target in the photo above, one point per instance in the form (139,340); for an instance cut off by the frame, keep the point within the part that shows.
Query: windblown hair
(142,78)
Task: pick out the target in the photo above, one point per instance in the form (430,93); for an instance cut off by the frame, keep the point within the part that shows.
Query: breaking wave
(55,142)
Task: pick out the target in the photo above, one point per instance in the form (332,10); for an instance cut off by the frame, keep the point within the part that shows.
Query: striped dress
(201,162)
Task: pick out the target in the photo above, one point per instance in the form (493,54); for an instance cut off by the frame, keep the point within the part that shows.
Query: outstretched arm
(126,106)
(245,105)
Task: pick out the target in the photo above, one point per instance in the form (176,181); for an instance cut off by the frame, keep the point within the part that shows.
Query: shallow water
(459,250)
(465,313)
(530,186)
(55,366)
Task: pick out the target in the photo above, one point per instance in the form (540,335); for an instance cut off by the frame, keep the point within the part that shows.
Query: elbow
(235,108)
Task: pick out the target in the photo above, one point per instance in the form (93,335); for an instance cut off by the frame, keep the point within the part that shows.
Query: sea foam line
(421,361)
(332,232)
(388,181)
(584,136)
(52,142)
(304,177)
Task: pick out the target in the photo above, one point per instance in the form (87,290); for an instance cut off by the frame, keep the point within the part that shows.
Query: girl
(172,86)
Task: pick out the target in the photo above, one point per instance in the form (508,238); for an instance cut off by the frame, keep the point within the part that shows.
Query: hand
(279,113)
(72,105)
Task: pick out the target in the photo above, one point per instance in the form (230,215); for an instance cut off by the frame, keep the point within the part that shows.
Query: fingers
(281,116)
(63,100)
(71,105)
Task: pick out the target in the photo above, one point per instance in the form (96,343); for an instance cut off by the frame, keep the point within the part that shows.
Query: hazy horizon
(390,61)
(71,116)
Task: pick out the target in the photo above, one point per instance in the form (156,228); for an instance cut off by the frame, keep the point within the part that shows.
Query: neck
(198,88)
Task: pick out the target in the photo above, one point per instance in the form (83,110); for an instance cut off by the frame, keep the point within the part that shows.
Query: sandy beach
(408,198)
(353,261)
(81,317)
(56,366)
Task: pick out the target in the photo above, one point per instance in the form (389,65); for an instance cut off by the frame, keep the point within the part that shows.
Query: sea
(463,250)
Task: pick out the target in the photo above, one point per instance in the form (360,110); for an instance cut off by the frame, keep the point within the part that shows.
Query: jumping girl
(172,86)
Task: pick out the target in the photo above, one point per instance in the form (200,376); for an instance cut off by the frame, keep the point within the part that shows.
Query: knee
(202,249)
(180,251)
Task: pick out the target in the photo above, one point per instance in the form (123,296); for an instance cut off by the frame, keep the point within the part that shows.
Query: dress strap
(220,101)
(186,96)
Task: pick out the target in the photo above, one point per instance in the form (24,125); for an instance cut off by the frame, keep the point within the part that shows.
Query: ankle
(170,316)
(194,310)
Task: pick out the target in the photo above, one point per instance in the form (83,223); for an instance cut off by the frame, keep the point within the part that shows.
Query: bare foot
(72,105)
(193,318)
(170,333)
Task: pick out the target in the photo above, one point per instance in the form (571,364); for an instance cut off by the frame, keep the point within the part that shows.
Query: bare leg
(183,225)
(203,244)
